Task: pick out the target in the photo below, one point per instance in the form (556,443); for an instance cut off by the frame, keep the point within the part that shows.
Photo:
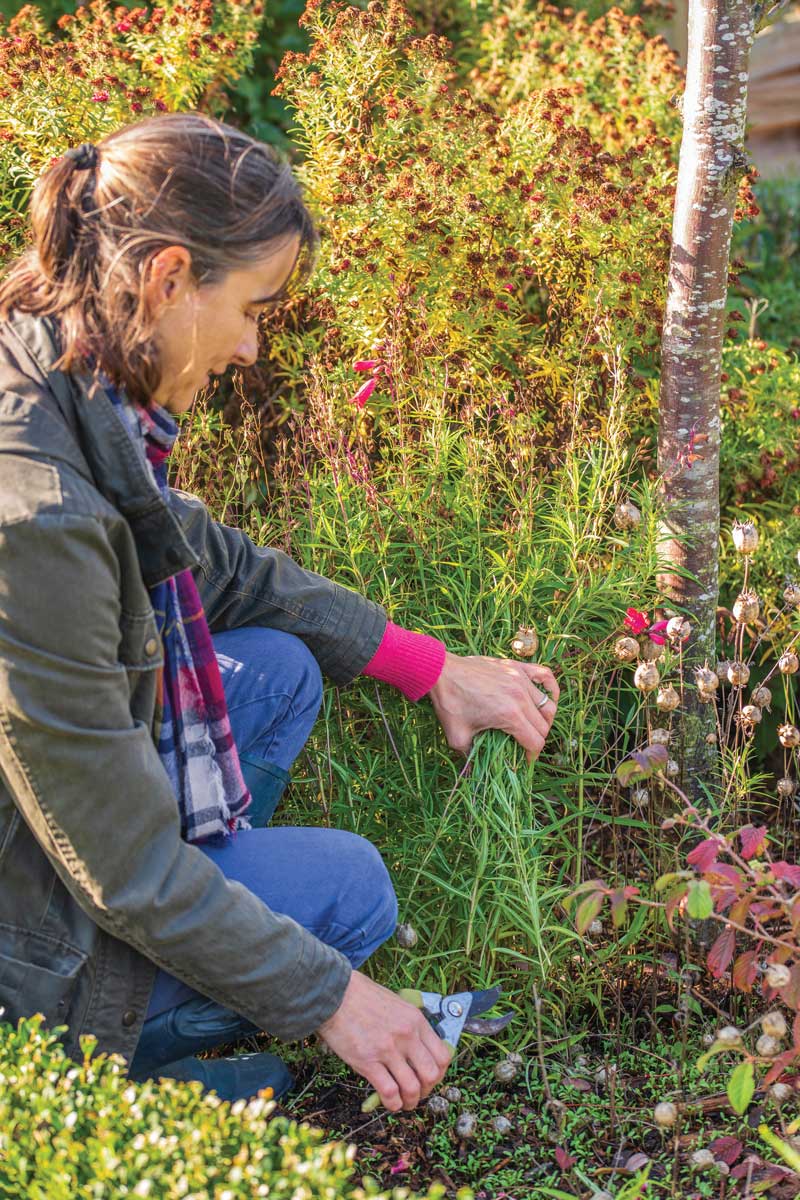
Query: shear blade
(487,1026)
(483,1001)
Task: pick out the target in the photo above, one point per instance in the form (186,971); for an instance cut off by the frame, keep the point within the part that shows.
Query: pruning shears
(450,1016)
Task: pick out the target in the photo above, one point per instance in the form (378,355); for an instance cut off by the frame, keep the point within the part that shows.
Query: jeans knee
(380,915)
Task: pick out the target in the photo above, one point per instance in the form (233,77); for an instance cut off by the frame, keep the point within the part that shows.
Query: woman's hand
(388,1041)
(475,693)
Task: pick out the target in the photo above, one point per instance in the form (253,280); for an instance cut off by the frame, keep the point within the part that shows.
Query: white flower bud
(665,1114)
(774,1024)
(777,975)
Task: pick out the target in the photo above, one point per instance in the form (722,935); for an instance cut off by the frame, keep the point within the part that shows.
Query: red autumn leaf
(752,838)
(745,971)
(727,1149)
(796,1032)
(564,1160)
(778,1066)
(788,872)
(721,953)
(740,910)
(724,873)
(705,855)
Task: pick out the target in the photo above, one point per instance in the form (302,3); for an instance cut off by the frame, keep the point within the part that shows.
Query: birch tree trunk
(712,163)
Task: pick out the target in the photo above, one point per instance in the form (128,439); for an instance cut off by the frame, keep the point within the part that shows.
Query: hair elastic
(85,157)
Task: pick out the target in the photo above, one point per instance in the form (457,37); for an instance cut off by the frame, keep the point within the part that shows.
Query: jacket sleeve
(87,779)
(244,584)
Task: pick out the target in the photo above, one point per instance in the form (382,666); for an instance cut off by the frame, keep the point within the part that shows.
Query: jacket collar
(100,447)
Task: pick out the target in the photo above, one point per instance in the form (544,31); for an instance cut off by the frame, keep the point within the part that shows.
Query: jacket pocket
(37,974)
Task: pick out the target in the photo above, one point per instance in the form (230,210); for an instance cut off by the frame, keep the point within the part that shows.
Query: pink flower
(402,1164)
(636,621)
(123,26)
(367,364)
(364,392)
(160,105)
(656,630)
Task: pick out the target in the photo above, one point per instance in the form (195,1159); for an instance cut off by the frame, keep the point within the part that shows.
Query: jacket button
(129,1018)
(150,647)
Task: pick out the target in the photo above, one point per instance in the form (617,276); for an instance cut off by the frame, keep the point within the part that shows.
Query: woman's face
(201,330)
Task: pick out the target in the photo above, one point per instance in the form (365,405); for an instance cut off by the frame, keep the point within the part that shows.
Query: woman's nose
(247,350)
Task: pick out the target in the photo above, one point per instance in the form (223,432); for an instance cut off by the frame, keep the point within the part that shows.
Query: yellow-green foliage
(105,67)
(508,236)
(83,1129)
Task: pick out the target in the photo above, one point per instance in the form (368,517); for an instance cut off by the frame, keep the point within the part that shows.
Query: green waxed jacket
(96,886)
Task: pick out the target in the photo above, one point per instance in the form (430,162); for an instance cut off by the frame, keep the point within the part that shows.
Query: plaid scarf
(191,730)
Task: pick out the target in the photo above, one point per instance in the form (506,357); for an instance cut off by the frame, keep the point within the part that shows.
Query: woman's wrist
(411,662)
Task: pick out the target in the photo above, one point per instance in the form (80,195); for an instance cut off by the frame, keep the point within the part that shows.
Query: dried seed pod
(701,1160)
(729,1035)
(673,769)
(595,928)
(525,642)
(650,651)
(738,674)
(762,696)
(660,737)
(453,1094)
(706,679)
(751,714)
(788,663)
(745,537)
(777,975)
(501,1125)
(791,594)
(627,515)
(641,798)
(667,699)
(665,1114)
(646,677)
(746,607)
(466,1125)
(721,1167)
(678,629)
(438,1106)
(505,1071)
(603,1075)
(711,738)
(722,668)
(514,1057)
(768,1046)
(780,1092)
(774,1024)
(626,649)
(406,936)
(786,787)
(789,736)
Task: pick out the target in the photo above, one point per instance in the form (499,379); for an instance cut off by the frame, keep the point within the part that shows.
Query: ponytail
(99,214)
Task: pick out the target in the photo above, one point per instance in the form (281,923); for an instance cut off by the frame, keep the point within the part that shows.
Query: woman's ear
(168,278)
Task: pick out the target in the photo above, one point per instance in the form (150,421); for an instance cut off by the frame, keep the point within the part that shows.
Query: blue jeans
(333,883)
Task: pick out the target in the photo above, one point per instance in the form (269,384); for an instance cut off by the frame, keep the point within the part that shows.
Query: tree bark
(712,163)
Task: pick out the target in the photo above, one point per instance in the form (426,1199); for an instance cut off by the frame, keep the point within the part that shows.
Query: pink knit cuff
(409,661)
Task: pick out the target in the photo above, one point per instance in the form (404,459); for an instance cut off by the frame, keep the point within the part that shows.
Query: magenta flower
(100,97)
(656,631)
(636,621)
(402,1164)
(364,392)
(368,364)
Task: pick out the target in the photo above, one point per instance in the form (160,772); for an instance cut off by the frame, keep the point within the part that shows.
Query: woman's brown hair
(179,179)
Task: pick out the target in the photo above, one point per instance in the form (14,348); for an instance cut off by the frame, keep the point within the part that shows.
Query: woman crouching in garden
(159,673)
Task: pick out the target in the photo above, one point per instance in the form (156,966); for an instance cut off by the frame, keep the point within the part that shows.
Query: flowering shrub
(513,248)
(106,66)
(69,1129)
